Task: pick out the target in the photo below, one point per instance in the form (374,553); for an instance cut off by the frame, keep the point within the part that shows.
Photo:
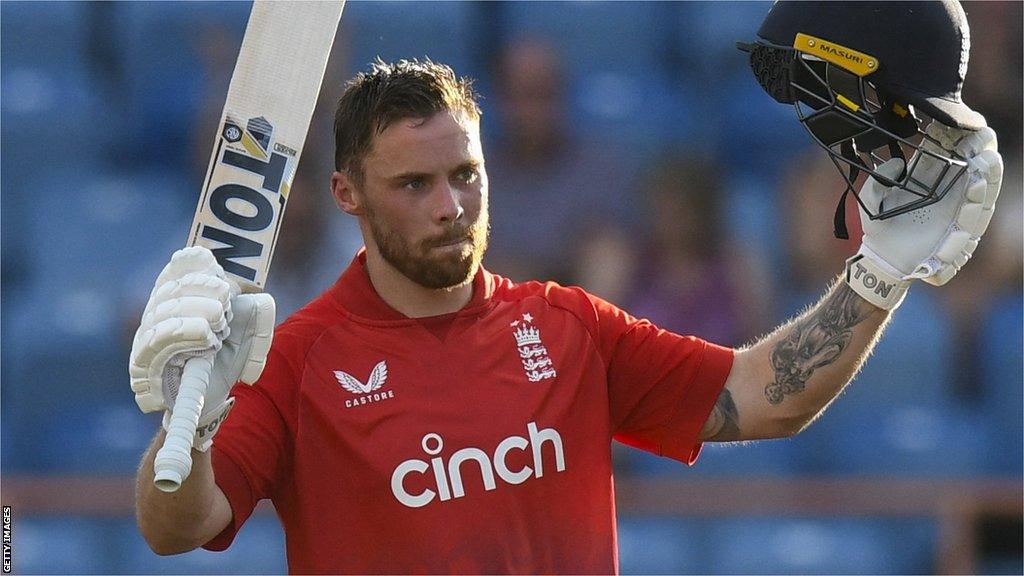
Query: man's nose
(448,204)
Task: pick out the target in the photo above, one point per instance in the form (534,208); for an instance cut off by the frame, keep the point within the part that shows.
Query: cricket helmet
(862,76)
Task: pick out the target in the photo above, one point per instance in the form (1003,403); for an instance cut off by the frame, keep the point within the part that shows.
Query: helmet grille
(854,121)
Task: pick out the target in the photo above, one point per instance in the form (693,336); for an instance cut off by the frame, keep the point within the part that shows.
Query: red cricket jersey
(474,442)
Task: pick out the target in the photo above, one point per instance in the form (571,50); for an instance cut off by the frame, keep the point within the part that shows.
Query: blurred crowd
(629,150)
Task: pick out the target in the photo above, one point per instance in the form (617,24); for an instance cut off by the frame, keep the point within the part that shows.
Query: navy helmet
(864,78)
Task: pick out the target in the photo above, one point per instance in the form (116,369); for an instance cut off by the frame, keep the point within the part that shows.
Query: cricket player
(425,415)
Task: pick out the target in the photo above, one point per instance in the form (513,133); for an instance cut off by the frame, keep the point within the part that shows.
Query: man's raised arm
(780,384)
(193,311)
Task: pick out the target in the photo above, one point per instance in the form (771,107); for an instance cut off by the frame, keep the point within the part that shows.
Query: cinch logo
(368,393)
(448,477)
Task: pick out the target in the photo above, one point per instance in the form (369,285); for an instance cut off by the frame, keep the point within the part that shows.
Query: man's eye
(468,175)
(417,184)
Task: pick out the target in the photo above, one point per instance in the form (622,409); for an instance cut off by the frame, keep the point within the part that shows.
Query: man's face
(424,199)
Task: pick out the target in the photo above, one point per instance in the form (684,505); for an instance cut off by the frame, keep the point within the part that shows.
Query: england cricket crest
(536,362)
(244,196)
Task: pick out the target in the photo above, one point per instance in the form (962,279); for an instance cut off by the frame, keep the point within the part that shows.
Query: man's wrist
(875,280)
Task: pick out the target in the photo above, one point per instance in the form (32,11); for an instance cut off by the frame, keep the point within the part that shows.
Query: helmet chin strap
(839,229)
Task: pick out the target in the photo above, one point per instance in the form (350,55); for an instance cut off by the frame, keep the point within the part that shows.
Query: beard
(420,263)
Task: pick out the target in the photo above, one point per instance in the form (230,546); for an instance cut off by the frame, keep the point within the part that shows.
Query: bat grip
(174,459)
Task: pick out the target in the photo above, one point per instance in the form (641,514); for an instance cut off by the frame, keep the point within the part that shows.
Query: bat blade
(262,130)
(259,142)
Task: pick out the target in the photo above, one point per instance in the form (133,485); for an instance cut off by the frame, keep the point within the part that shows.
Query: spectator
(549,185)
(692,278)
(993,84)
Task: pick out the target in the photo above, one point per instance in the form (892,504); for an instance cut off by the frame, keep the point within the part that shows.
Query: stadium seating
(818,546)
(773,457)
(660,545)
(71,412)
(164,101)
(95,249)
(52,106)
(707,32)
(1002,346)
(96,545)
(761,545)
(99,228)
(753,132)
(900,414)
(62,545)
(90,249)
(597,36)
(909,440)
(442,33)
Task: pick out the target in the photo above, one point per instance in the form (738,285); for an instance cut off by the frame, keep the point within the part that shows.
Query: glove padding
(188,315)
(934,242)
(241,358)
(194,311)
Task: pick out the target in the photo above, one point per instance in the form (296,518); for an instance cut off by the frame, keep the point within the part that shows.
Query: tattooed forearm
(815,341)
(724,423)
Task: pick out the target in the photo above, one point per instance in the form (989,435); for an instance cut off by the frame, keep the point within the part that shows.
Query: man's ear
(345,193)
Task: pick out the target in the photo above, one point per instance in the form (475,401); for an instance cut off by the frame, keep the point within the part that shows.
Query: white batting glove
(187,315)
(193,311)
(934,242)
(241,358)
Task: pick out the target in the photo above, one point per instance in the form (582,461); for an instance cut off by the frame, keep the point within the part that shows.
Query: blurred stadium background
(630,151)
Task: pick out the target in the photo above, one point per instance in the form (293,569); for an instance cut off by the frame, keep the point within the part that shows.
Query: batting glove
(934,242)
(241,358)
(194,311)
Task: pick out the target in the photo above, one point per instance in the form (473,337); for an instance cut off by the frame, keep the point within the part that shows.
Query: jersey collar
(355,294)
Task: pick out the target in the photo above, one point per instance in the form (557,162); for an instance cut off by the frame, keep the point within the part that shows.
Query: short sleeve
(661,385)
(252,449)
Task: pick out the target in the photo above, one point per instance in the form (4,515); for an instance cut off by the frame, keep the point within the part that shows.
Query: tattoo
(724,422)
(815,341)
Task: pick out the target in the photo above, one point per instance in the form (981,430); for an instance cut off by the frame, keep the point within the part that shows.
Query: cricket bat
(259,141)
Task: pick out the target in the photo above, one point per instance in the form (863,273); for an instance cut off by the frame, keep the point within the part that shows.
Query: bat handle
(174,459)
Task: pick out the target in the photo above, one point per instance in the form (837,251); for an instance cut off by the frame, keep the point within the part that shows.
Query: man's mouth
(452,242)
